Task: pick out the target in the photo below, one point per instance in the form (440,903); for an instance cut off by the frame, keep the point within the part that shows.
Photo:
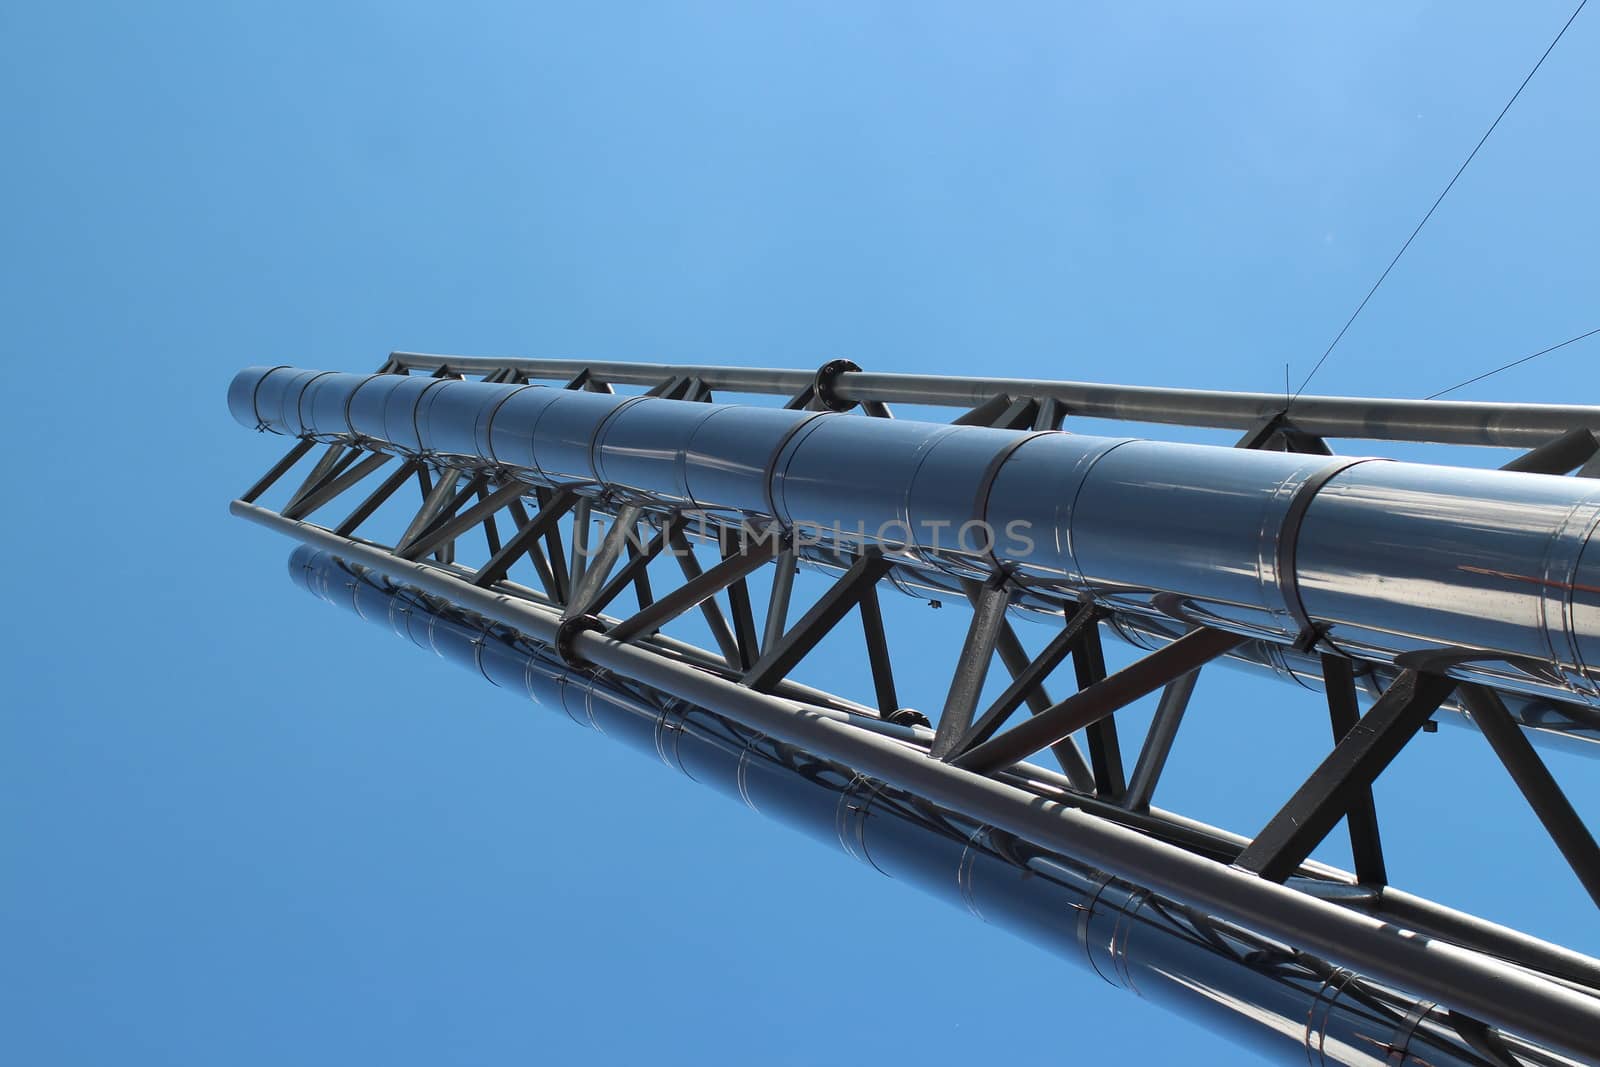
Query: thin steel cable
(1513,363)
(1439,200)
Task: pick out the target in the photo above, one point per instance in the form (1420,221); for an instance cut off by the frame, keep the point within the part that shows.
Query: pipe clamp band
(1288,547)
(980,503)
(770,472)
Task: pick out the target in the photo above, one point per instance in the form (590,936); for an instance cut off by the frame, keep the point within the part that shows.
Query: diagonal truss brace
(1099,700)
(1346,775)
(1543,794)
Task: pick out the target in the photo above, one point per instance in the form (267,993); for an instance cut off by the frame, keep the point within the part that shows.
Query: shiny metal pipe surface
(1455,422)
(1484,575)
(1254,989)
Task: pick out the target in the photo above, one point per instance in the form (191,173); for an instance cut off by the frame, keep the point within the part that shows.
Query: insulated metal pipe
(1285,1002)
(1484,575)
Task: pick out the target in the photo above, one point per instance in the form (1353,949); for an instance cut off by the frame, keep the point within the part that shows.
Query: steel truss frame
(976,757)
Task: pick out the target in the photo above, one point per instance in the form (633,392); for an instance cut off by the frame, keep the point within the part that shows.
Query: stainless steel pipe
(1226,975)
(1484,575)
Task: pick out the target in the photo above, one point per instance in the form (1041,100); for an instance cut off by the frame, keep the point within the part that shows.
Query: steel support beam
(1105,751)
(623,527)
(778,601)
(738,593)
(634,572)
(448,529)
(700,587)
(554,551)
(333,487)
(1345,776)
(581,533)
(435,499)
(1094,703)
(1566,453)
(1538,786)
(325,468)
(780,658)
(1360,418)
(525,540)
(1029,680)
(296,452)
(1158,741)
(1027,687)
(972,667)
(877,642)
(1366,845)
(377,498)
(549,576)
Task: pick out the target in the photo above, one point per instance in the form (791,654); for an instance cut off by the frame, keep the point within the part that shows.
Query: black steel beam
(1029,680)
(581,533)
(738,593)
(554,549)
(716,622)
(1538,786)
(985,413)
(436,497)
(1568,452)
(448,529)
(325,468)
(641,576)
(1105,751)
(634,572)
(1366,845)
(332,487)
(1027,686)
(700,587)
(623,527)
(548,575)
(526,539)
(1345,776)
(777,619)
(491,529)
(1099,700)
(1152,759)
(1051,414)
(972,668)
(296,452)
(375,500)
(780,658)
(878,652)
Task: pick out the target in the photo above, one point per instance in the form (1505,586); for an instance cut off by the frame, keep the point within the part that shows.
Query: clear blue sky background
(239,827)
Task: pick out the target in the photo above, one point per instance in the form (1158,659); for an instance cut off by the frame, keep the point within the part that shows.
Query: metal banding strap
(488,420)
(255,394)
(416,406)
(1400,1044)
(355,438)
(770,472)
(1333,985)
(980,504)
(1288,546)
(600,429)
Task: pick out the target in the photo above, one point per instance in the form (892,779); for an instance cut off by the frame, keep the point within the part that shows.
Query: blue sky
(236,826)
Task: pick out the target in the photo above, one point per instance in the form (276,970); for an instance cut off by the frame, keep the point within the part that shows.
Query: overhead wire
(1513,363)
(1437,201)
